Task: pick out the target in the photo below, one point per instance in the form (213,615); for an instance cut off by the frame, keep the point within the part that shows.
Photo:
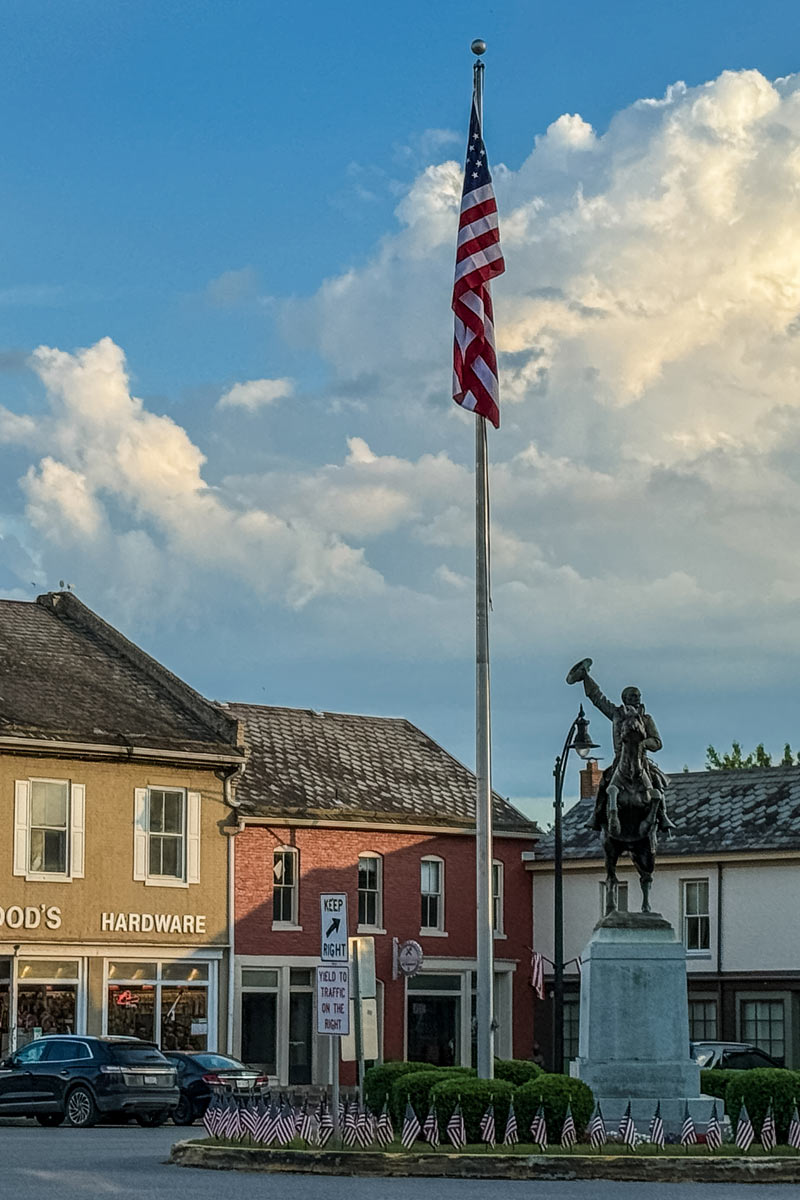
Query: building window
(47,997)
(622,897)
(48,828)
(763,1022)
(165,827)
(696,925)
(702,1020)
(284,886)
(370,890)
(497,897)
(164,1002)
(166,836)
(432,894)
(572,1010)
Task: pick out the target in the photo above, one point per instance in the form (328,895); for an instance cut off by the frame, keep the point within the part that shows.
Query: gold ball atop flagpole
(478,46)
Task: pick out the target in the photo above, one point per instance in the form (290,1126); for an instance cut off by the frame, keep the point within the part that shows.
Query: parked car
(77,1078)
(730,1056)
(199,1071)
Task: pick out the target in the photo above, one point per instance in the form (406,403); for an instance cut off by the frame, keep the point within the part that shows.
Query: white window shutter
(22,790)
(193,837)
(77,829)
(140,833)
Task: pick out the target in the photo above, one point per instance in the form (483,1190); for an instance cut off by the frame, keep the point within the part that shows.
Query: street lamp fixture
(577,739)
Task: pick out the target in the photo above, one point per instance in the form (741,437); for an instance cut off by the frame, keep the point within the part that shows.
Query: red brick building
(374,808)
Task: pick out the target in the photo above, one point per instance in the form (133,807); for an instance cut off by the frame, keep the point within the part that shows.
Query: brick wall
(328,862)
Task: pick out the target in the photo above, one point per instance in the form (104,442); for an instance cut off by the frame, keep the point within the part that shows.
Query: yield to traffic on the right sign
(333,927)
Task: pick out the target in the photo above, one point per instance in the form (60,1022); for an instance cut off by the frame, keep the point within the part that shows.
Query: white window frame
(704,998)
(192,817)
(498,898)
(292,923)
(75,831)
(437,930)
(377,927)
(699,951)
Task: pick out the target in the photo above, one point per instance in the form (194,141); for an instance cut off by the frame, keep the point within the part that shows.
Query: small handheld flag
(597,1130)
(627,1129)
(384,1130)
(794,1129)
(411,1130)
(768,1138)
(744,1130)
(656,1134)
(487,1127)
(568,1135)
(455,1128)
(713,1131)
(511,1136)
(431,1128)
(539,1129)
(688,1131)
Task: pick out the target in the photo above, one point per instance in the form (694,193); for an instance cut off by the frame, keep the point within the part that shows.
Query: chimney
(590,779)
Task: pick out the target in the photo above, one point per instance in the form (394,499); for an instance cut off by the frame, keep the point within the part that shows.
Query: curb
(443,1165)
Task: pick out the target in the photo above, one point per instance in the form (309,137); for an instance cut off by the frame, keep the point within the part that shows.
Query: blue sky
(216,194)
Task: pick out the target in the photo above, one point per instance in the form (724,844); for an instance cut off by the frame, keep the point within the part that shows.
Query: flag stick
(483,727)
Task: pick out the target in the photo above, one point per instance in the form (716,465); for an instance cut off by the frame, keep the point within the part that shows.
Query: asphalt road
(128,1163)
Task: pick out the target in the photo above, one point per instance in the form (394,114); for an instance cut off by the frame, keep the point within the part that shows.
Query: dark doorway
(433,1029)
(258,1030)
(300,1012)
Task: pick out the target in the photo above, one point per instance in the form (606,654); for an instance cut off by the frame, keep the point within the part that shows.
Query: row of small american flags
(275,1124)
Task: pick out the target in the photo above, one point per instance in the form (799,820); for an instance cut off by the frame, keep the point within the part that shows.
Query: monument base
(672,1113)
(634,1023)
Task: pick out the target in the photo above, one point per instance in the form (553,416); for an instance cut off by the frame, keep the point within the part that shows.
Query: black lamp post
(577,739)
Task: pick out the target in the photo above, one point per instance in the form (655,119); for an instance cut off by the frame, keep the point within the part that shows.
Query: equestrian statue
(630,809)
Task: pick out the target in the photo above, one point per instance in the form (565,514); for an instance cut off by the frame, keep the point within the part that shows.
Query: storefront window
(163,1002)
(46,1001)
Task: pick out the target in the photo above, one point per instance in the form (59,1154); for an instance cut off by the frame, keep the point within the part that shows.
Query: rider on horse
(652,780)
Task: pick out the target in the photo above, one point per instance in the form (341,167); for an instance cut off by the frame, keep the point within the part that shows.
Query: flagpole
(483,727)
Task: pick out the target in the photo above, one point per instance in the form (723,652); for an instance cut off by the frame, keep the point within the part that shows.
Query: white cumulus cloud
(256,394)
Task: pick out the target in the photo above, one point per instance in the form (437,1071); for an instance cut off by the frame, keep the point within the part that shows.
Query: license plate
(151,1079)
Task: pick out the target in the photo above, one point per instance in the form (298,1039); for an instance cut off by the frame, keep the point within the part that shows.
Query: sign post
(333,985)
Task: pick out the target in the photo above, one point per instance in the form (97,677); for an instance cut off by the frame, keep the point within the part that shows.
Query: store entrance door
(300,1009)
(433,1029)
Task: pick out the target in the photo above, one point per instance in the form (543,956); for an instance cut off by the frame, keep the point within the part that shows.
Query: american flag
(537,975)
(478,260)
(384,1130)
(487,1127)
(713,1131)
(249,1118)
(688,1131)
(263,1123)
(768,1138)
(455,1128)
(511,1136)
(597,1129)
(431,1128)
(272,1123)
(305,1125)
(794,1130)
(286,1124)
(350,1125)
(324,1123)
(627,1129)
(656,1134)
(410,1127)
(211,1116)
(539,1128)
(568,1137)
(744,1130)
(233,1125)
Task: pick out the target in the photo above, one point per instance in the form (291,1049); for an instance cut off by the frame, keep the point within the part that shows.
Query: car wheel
(150,1119)
(81,1108)
(184,1113)
(50,1120)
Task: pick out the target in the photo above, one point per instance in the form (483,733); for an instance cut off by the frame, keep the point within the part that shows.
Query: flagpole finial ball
(478,46)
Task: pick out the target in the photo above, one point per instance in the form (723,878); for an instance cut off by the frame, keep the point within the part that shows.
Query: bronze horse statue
(631,812)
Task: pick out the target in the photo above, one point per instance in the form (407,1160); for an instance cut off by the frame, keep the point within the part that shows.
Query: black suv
(80,1078)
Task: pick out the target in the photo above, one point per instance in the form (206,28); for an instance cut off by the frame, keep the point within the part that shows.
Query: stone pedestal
(634,1022)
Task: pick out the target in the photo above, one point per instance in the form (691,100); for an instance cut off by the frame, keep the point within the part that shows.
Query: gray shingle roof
(756,809)
(336,765)
(66,675)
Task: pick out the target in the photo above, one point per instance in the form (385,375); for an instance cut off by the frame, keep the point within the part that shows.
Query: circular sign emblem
(409,957)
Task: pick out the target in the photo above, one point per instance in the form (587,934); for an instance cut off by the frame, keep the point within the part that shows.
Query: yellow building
(115,794)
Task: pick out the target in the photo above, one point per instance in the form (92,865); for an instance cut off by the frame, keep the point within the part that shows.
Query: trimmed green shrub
(476,1095)
(756,1088)
(516,1070)
(378,1080)
(416,1086)
(553,1091)
(715,1081)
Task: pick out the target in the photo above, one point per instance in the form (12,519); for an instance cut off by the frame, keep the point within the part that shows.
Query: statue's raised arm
(580,674)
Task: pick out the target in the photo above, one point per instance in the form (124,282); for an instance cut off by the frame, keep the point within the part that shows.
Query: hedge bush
(416,1086)
(553,1091)
(714,1082)
(475,1095)
(756,1088)
(378,1080)
(516,1070)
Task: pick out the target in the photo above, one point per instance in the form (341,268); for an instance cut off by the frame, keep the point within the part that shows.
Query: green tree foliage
(553,1091)
(756,1088)
(736,760)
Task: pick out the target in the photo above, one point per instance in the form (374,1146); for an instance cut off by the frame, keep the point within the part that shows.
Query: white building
(729,881)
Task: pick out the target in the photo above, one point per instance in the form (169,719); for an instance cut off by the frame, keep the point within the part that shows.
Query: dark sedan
(200,1071)
(80,1078)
